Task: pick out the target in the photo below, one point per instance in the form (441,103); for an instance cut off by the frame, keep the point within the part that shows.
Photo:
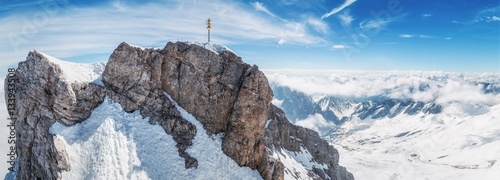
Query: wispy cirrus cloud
(378,24)
(260,7)
(345,18)
(488,19)
(100,29)
(375,24)
(17,4)
(426,15)
(339,46)
(338,9)
(488,15)
(318,25)
(407,36)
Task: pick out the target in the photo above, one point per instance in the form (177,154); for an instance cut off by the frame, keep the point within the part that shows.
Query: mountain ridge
(225,94)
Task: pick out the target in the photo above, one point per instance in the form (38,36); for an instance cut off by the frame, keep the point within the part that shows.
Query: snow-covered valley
(451,146)
(461,141)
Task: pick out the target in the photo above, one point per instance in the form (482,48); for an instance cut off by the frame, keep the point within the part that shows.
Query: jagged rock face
(220,90)
(282,134)
(42,97)
(204,83)
(225,94)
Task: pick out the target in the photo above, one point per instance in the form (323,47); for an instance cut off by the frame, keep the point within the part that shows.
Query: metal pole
(209,23)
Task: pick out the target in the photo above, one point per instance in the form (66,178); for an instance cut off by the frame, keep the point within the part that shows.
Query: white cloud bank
(317,123)
(440,87)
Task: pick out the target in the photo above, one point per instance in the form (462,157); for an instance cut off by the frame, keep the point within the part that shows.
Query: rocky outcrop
(282,134)
(225,94)
(43,96)
(220,90)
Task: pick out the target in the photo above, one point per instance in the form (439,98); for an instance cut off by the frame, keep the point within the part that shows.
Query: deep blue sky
(446,35)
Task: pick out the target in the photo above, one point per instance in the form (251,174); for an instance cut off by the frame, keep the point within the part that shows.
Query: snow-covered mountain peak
(128,128)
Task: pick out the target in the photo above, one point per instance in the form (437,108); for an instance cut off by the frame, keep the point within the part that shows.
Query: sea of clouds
(425,86)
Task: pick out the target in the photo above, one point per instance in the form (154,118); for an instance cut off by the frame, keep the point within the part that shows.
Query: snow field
(450,145)
(113,144)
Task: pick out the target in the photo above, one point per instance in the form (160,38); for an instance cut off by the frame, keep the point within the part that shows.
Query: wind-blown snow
(216,48)
(113,144)
(277,102)
(79,72)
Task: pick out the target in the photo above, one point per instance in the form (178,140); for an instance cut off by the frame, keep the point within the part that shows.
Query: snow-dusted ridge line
(78,72)
(216,48)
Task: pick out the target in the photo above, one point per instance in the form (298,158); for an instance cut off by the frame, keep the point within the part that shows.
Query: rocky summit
(229,97)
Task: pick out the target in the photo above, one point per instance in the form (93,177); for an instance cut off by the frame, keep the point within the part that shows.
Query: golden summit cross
(209,23)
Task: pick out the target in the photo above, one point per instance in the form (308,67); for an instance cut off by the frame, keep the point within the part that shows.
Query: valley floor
(457,144)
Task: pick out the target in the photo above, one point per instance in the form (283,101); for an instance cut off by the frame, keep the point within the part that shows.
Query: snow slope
(113,144)
(79,72)
(297,164)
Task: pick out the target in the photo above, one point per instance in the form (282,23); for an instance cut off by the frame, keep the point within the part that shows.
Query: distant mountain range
(399,125)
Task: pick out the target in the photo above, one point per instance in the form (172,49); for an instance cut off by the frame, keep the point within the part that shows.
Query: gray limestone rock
(42,98)
(282,134)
